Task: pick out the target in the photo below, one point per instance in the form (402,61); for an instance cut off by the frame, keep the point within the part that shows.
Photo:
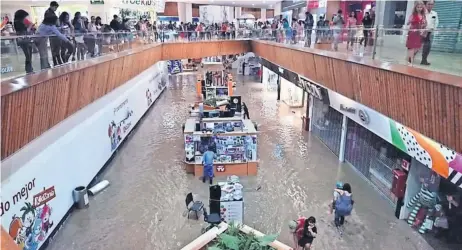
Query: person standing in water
(246,110)
(207,160)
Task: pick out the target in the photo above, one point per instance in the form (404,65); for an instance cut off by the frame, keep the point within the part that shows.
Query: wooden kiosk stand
(233,140)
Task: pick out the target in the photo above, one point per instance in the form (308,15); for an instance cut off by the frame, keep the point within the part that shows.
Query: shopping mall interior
(231,125)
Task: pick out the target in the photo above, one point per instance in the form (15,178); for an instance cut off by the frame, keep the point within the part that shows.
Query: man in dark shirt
(50,13)
(309,22)
(115,24)
(367,22)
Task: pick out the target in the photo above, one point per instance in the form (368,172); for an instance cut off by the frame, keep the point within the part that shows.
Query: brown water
(143,207)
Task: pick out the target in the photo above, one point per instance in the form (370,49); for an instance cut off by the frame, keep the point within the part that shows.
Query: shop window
(326,124)
(433,207)
(374,157)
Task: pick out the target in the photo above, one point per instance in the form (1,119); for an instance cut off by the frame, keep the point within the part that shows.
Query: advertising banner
(38,195)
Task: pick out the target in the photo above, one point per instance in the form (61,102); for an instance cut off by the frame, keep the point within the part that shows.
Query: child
(338,185)
(309,233)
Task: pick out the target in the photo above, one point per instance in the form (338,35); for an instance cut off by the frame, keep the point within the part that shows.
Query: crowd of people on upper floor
(73,36)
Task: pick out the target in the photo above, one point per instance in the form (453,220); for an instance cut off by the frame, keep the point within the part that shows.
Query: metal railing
(27,54)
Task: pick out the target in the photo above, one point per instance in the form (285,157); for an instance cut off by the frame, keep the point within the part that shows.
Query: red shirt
(300,225)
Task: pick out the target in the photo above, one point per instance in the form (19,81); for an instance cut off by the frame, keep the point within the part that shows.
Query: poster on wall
(36,197)
(27,213)
(174,66)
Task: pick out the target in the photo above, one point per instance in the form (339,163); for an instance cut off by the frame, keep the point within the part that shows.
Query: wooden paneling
(33,104)
(429,102)
(203,49)
(171,9)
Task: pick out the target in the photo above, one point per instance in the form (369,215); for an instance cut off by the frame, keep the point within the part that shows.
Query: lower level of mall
(144,206)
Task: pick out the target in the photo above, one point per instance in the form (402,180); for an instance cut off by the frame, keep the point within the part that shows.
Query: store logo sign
(140,2)
(310,87)
(364,117)
(347,109)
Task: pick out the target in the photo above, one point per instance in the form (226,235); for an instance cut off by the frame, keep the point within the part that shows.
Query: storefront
(326,124)
(359,7)
(293,9)
(399,162)
(433,206)
(291,94)
(269,79)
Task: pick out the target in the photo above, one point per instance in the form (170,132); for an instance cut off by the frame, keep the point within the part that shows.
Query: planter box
(201,242)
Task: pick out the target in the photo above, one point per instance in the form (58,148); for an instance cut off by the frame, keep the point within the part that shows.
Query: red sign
(221,168)
(405,165)
(312,4)
(45,196)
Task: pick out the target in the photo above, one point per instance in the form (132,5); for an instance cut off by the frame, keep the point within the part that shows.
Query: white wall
(72,153)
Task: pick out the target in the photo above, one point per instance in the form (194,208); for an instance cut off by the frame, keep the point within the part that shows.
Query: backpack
(344,205)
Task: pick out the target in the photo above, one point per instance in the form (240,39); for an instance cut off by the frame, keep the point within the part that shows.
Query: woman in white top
(90,38)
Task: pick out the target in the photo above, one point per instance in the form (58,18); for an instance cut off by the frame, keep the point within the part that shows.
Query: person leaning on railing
(48,28)
(24,27)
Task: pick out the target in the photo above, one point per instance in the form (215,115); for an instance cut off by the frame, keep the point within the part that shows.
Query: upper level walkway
(427,101)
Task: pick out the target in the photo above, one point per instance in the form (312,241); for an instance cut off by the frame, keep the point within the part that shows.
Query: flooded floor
(145,204)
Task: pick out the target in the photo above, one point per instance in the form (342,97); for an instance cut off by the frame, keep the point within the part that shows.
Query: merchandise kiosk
(215,85)
(233,140)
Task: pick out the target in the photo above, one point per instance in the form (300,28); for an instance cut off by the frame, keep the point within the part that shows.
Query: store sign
(221,168)
(363,116)
(347,109)
(140,2)
(310,87)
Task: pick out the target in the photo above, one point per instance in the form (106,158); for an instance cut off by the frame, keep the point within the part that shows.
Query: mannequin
(422,204)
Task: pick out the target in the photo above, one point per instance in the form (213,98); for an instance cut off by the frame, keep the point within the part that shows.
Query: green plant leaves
(267,239)
(231,242)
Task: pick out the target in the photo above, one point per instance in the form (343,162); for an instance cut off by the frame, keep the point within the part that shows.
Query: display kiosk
(233,140)
(215,85)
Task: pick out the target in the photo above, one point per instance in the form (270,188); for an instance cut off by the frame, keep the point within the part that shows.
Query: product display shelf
(236,151)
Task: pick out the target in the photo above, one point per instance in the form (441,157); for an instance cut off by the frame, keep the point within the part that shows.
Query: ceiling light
(253,4)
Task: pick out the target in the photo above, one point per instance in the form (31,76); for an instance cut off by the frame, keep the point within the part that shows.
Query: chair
(213,219)
(192,205)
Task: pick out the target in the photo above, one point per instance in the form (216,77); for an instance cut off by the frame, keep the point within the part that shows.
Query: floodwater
(144,206)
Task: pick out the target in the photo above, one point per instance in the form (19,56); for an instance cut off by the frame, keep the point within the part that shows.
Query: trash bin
(80,196)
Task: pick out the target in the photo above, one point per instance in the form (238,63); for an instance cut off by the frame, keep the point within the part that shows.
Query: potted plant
(235,237)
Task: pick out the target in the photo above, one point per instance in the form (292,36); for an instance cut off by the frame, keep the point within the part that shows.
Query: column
(341,156)
(277,9)
(105,11)
(310,111)
(181,12)
(263,14)
(237,12)
(188,7)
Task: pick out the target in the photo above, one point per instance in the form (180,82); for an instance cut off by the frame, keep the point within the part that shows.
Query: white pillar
(181,12)
(188,7)
(341,156)
(263,14)
(237,12)
(101,10)
(409,8)
(277,9)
